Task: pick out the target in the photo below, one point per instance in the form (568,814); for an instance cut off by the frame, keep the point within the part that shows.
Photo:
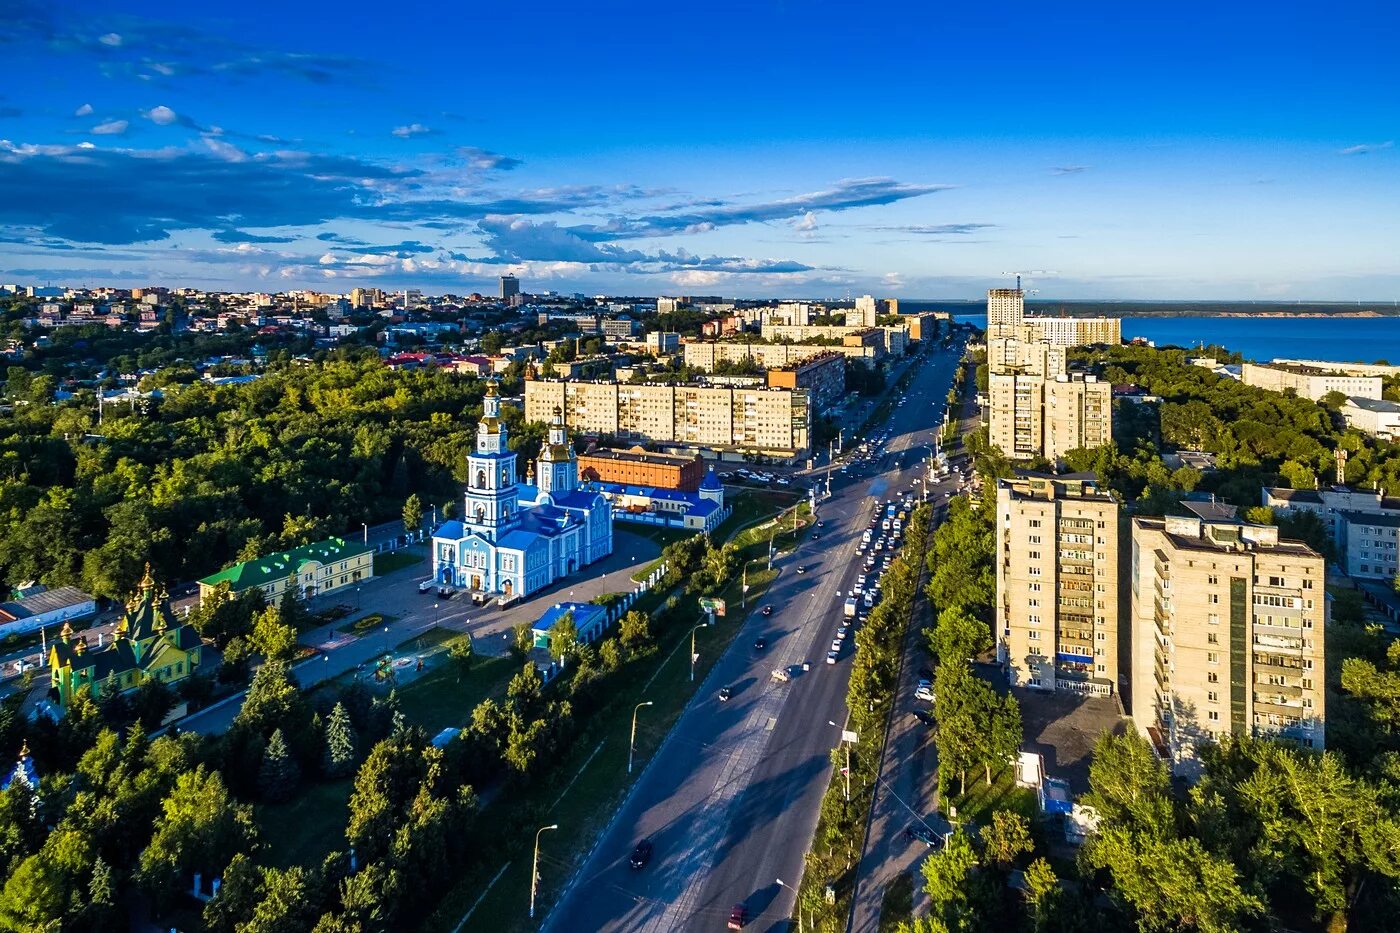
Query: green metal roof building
(311,569)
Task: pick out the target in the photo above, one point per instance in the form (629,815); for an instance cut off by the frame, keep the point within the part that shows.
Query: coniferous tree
(340,743)
(278,776)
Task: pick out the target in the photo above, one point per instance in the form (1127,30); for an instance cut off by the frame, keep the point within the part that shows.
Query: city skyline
(759,151)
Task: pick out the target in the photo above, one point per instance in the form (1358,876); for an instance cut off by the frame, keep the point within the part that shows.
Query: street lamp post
(365,527)
(632,745)
(535,867)
(796,904)
(693,655)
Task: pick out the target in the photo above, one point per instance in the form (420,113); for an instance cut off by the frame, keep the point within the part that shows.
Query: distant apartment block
(1350,369)
(669,305)
(1031,416)
(1015,350)
(1362,523)
(662,342)
(923,325)
(1077,331)
(776,422)
(866,313)
(822,376)
(510,287)
(1309,382)
(1227,633)
(865,347)
(1375,416)
(618,327)
(1006,308)
(895,340)
(1057,583)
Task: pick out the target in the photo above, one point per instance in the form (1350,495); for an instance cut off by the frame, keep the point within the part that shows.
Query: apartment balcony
(1266,642)
(1285,692)
(1277,664)
(1283,710)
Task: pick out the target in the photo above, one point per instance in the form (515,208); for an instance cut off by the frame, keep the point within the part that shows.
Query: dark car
(738,917)
(924,716)
(760,643)
(641,855)
(725,693)
(922,835)
(801,568)
(768,610)
(821,524)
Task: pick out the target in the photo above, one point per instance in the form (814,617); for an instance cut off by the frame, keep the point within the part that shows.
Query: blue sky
(742,149)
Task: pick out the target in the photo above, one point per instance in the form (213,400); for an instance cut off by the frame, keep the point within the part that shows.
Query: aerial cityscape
(757,467)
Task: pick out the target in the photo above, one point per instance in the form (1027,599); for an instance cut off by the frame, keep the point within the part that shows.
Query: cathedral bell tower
(491,497)
(558,471)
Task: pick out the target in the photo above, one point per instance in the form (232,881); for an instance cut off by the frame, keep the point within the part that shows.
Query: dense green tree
(412,514)
(461,652)
(1006,839)
(563,637)
(200,829)
(635,634)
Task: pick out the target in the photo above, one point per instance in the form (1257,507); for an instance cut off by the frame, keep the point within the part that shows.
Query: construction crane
(1032,272)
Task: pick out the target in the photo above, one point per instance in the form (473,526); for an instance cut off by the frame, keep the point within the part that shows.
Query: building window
(1212,678)
(1213,716)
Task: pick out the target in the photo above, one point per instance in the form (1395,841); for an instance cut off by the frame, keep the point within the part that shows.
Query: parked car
(641,855)
(912,833)
(831,657)
(426,586)
(924,716)
(738,917)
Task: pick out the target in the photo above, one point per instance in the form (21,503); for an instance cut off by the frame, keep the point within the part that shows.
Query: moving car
(760,644)
(781,675)
(640,855)
(738,916)
(801,568)
(767,610)
(725,693)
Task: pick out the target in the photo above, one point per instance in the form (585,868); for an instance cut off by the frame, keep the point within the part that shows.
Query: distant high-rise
(1006,309)
(510,287)
(865,313)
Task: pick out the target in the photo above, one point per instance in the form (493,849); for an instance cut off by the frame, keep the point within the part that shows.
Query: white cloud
(697,277)
(226,151)
(806,223)
(111,39)
(1364,148)
(111,128)
(83,111)
(413,129)
(161,115)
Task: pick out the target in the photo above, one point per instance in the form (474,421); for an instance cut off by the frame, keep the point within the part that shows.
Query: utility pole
(693,656)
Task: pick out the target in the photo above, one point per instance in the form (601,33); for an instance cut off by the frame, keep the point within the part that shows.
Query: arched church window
(481,479)
(480,513)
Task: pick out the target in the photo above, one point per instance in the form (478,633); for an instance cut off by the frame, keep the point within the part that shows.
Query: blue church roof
(453,530)
(585,614)
(711,481)
(575,499)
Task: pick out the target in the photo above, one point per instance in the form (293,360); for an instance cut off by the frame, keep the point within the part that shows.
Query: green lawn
(426,641)
(981,799)
(397,560)
(662,535)
(442,698)
(306,829)
(582,791)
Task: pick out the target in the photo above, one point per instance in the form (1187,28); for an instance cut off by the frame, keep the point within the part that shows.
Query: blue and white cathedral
(516,538)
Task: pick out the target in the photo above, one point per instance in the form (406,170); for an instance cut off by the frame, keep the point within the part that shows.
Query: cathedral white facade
(516,538)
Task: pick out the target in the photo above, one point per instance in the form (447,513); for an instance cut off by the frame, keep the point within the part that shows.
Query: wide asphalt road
(731,800)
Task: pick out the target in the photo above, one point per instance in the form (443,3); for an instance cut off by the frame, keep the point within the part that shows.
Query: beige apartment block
(719,418)
(704,354)
(1077,331)
(1057,583)
(1016,407)
(893,339)
(1309,382)
(1006,308)
(1017,350)
(1227,626)
(1078,413)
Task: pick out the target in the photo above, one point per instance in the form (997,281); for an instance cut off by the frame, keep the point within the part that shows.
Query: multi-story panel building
(1078,413)
(823,376)
(1308,382)
(510,287)
(1006,308)
(1057,583)
(865,348)
(1016,407)
(1227,633)
(718,418)
(892,339)
(866,313)
(1363,524)
(1015,350)
(618,327)
(1077,331)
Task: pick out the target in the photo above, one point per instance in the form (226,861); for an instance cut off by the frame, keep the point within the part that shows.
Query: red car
(738,917)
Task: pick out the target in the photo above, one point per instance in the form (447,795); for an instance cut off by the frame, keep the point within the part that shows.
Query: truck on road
(851,608)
